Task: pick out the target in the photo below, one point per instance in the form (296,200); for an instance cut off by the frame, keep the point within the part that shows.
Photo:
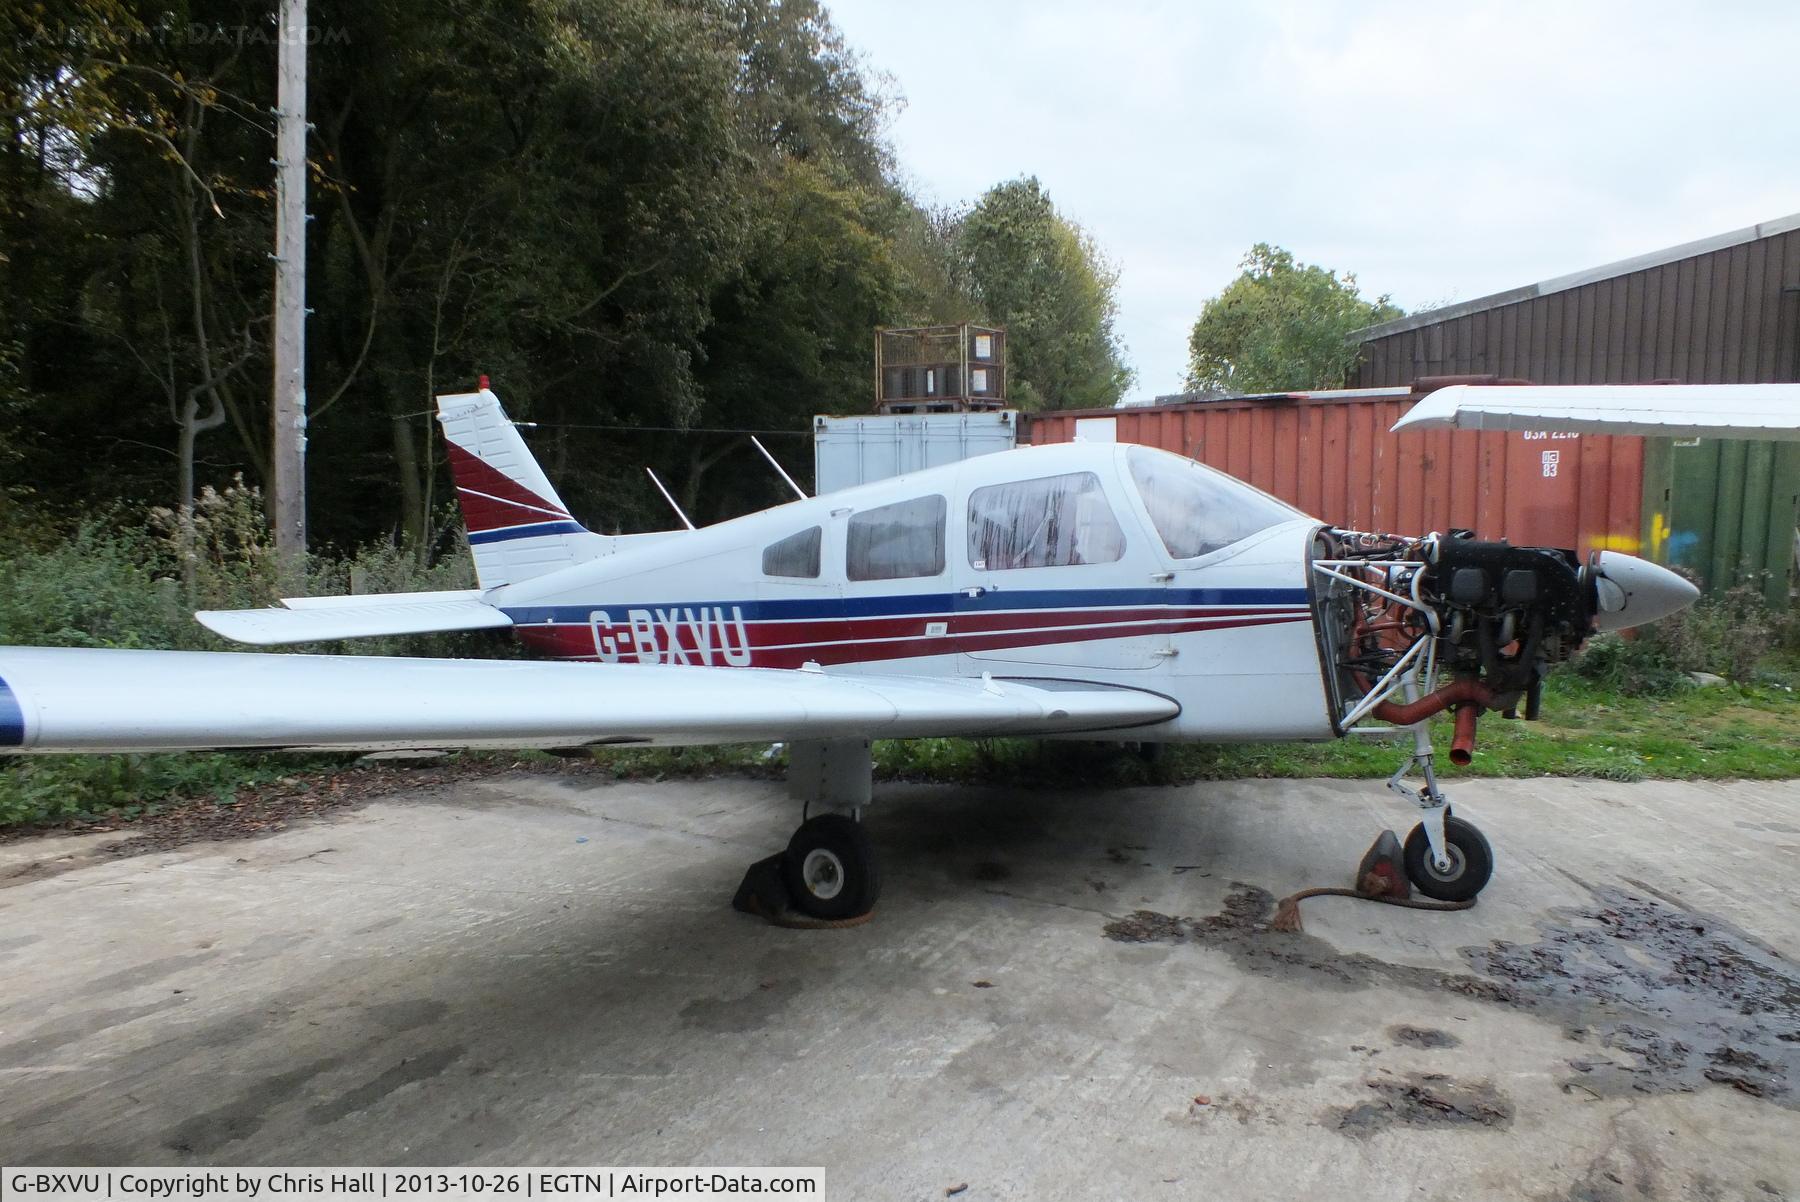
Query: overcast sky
(1439,151)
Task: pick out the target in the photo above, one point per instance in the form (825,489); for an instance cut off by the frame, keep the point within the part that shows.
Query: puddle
(1423,1100)
(1660,999)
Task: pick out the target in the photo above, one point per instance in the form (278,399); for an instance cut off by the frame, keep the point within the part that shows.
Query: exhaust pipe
(1462,746)
(1457,692)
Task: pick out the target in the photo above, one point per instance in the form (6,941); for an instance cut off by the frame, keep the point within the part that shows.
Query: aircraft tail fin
(517,526)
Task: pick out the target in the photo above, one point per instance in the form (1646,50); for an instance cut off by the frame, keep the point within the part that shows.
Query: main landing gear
(828,875)
(829,868)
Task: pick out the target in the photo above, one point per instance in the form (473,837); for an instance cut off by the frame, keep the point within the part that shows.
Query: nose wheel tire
(829,868)
(1471,862)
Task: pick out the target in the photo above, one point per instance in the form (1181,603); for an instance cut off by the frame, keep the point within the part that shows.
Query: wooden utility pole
(290,298)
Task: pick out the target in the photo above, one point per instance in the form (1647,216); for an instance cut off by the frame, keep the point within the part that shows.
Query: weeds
(111,584)
(1733,634)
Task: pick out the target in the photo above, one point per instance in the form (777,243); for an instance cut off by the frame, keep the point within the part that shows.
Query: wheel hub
(823,873)
(1451,869)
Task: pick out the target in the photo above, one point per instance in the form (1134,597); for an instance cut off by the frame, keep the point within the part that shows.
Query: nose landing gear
(1446,858)
(1464,871)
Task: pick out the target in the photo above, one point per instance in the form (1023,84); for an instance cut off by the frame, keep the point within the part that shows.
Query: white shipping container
(856,450)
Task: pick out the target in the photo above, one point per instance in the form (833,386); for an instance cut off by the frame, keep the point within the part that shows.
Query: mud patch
(1664,999)
(1147,926)
(1422,1100)
(1686,998)
(1423,1037)
(1241,929)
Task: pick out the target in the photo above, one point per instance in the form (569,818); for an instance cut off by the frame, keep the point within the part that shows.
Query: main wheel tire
(1471,862)
(829,869)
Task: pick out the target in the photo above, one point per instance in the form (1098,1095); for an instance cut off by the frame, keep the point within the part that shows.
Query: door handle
(974,591)
(1161,577)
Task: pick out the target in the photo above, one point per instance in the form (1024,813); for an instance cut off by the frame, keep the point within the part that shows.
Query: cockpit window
(796,555)
(895,542)
(1197,510)
(1052,522)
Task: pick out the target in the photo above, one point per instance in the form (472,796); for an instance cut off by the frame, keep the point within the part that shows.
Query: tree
(649,221)
(1042,277)
(1280,325)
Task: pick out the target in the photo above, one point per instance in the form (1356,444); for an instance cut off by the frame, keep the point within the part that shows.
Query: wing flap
(1659,410)
(319,619)
(90,700)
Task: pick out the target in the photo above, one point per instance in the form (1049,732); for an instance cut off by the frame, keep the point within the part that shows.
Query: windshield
(1197,510)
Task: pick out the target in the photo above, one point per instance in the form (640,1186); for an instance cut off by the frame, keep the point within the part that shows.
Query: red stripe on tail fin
(491,499)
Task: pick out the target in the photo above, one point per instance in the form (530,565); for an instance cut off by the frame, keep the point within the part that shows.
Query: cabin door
(1046,577)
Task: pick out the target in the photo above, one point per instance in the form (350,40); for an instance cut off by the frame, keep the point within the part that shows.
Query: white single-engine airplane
(1087,589)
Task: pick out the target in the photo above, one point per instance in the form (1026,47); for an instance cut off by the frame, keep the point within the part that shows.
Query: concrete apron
(1062,995)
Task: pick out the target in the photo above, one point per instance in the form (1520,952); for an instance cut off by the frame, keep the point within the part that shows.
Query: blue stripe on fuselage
(12,718)
(535,530)
(902,605)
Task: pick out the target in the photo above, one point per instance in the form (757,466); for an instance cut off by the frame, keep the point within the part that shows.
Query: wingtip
(1436,412)
(231,624)
(12,717)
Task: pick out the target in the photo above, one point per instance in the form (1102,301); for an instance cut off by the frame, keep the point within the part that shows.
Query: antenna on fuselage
(779,470)
(668,498)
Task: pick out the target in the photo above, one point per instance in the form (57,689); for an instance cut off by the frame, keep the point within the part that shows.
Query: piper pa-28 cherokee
(1085,589)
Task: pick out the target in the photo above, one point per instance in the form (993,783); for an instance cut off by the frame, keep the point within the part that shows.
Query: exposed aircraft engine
(1413,626)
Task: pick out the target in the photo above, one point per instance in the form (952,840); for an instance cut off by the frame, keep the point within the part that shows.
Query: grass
(1724,732)
(52,788)
(1719,733)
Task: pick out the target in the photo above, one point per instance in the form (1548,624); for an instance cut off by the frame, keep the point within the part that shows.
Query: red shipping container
(1332,455)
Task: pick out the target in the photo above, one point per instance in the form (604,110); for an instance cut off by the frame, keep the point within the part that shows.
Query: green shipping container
(1727,510)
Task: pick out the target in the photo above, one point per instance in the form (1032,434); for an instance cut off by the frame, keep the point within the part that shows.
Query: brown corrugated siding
(1338,461)
(1725,317)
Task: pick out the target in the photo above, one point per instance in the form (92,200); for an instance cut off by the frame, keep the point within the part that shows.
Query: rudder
(517,526)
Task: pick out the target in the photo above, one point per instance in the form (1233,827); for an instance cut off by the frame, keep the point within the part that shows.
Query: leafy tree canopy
(1280,325)
(1039,274)
(646,220)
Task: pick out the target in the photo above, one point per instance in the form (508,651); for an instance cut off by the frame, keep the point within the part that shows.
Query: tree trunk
(699,463)
(414,520)
(184,513)
(192,426)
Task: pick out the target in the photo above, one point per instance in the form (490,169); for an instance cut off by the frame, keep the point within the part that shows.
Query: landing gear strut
(1446,858)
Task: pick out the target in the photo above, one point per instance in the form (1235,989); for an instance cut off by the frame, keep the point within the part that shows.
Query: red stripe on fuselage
(791,644)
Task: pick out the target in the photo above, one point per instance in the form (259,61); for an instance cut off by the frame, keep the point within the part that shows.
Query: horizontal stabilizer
(1659,410)
(55,699)
(320,619)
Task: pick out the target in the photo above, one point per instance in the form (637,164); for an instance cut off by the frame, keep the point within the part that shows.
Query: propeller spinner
(1629,591)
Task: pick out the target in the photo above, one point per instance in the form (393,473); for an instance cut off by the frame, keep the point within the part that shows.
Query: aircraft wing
(318,619)
(1667,410)
(94,700)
